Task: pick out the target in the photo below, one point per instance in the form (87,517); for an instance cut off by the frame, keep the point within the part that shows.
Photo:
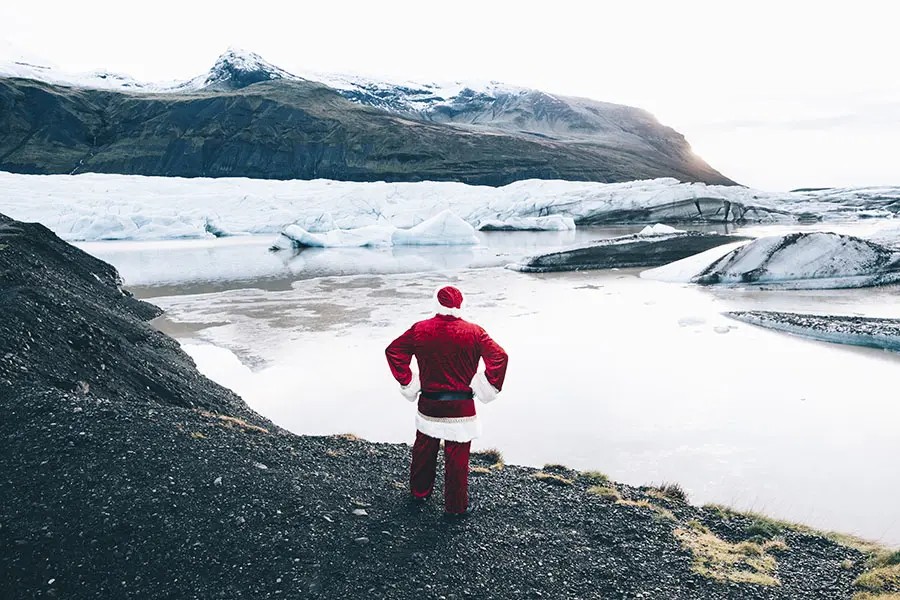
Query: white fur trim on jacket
(455,429)
(444,310)
(483,390)
(411,390)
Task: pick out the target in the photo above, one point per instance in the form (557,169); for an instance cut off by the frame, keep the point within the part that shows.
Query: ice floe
(637,250)
(796,261)
(659,229)
(551,223)
(857,331)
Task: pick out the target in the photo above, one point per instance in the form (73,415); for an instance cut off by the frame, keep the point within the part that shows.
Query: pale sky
(775,95)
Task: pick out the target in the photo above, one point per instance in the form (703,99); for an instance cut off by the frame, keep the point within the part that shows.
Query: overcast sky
(775,95)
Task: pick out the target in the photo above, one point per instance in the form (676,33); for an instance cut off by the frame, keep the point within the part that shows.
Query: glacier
(91,206)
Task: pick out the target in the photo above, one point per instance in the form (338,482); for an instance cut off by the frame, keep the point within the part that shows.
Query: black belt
(447,395)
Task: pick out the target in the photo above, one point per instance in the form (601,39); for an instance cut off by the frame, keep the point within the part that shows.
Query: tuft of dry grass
(197,435)
(715,558)
(606,492)
(552,478)
(350,437)
(480,470)
(330,453)
(668,491)
(490,456)
(229,421)
(868,596)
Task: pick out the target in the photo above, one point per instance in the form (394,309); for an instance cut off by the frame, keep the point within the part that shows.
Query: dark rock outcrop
(627,251)
(126,474)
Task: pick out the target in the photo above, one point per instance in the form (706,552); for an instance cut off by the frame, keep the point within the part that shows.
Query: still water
(644,380)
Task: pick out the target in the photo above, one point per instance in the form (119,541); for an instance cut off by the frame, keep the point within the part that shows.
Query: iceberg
(658,229)
(551,223)
(371,235)
(856,331)
(805,261)
(443,229)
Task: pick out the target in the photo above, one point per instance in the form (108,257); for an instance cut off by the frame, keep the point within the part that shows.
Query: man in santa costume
(448,350)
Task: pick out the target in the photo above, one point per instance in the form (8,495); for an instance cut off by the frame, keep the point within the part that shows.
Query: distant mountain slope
(248,118)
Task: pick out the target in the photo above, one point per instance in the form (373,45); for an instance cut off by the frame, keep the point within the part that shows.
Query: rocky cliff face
(248,118)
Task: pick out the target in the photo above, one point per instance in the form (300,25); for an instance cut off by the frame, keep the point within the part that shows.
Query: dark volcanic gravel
(126,474)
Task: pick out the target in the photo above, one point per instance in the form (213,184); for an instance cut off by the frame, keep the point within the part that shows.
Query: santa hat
(449,301)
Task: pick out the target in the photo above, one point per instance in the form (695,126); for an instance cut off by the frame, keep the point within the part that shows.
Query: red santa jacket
(447,350)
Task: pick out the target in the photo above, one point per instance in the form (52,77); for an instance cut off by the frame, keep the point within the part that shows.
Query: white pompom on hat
(449,301)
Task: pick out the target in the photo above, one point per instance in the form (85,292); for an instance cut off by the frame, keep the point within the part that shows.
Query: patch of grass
(608,493)
(669,491)
(596,477)
(229,421)
(778,525)
(197,435)
(715,558)
(763,530)
(350,437)
(880,580)
(334,453)
(480,470)
(552,478)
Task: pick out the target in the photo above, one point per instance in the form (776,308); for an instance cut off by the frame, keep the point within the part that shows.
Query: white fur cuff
(483,390)
(411,390)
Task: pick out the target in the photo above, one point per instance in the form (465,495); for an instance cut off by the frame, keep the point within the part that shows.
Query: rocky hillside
(126,474)
(248,118)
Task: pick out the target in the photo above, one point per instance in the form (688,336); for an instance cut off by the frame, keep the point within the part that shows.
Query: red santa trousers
(456,471)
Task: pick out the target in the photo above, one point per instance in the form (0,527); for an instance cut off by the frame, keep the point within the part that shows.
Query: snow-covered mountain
(610,142)
(486,105)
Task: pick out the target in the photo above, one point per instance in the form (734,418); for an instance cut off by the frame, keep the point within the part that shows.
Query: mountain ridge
(517,132)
